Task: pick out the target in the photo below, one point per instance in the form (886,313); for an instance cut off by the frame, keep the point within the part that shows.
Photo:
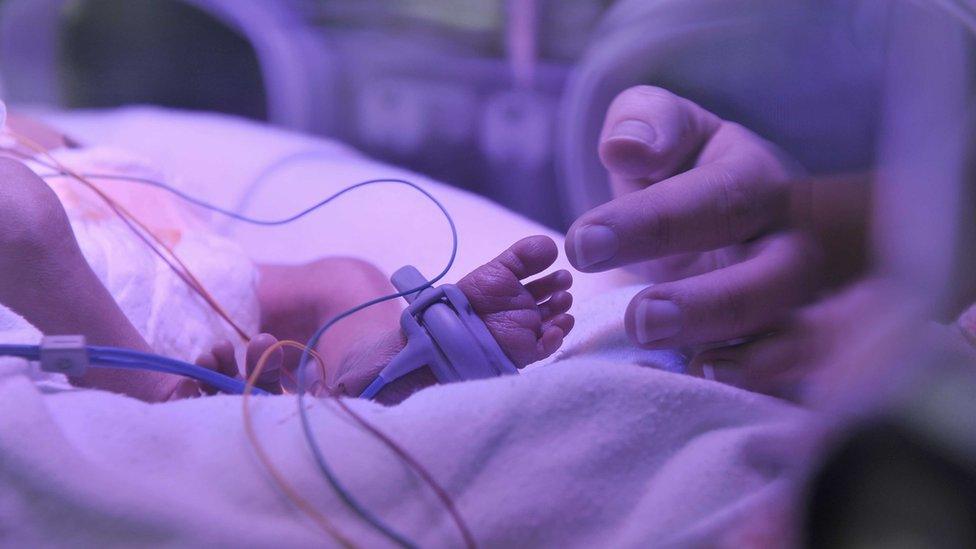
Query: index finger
(739,191)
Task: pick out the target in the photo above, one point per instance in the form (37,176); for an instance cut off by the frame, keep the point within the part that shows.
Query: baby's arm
(45,278)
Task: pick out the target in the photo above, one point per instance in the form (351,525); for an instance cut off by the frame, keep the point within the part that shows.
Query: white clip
(64,354)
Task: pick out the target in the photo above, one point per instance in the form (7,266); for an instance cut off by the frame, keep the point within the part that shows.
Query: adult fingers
(649,133)
(736,197)
(769,364)
(744,299)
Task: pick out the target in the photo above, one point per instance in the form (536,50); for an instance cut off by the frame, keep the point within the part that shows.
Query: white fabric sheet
(594,449)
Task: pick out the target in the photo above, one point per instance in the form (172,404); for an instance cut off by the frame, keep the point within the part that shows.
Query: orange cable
(128,218)
(303,504)
(402,454)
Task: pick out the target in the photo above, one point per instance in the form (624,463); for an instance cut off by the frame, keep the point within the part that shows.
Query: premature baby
(59,237)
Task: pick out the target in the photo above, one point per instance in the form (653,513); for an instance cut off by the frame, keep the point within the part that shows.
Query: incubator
(860,87)
(465,93)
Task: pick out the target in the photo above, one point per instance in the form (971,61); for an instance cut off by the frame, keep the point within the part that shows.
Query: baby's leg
(528,319)
(45,278)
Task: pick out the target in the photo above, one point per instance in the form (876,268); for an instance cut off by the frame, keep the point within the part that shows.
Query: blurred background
(463,90)
(506,98)
(501,97)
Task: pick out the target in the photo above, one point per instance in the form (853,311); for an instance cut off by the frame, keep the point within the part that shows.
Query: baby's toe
(519,316)
(554,332)
(542,288)
(564,322)
(559,303)
(551,340)
(529,256)
(495,286)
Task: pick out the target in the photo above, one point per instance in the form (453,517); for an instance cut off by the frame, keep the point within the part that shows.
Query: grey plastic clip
(444,333)
(64,354)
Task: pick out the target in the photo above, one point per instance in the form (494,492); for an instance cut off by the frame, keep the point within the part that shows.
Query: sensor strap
(443,333)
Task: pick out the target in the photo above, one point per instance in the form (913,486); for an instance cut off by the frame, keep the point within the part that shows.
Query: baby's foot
(529,321)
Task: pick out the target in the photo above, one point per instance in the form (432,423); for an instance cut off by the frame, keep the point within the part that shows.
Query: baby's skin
(528,320)
(45,278)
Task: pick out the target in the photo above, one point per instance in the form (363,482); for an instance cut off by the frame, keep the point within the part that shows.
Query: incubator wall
(425,84)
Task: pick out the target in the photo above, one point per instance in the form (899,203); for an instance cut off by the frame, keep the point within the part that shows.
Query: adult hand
(704,206)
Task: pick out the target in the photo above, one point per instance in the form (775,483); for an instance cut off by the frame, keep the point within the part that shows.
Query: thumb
(650,133)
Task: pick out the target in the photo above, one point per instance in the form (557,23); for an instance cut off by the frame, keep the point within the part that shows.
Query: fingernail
(723,371)
(657,319)
(595,244)
(633,130)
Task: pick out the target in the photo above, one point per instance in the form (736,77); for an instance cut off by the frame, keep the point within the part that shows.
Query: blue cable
(306,424)
(232,214)
(26,352)
(112,357)
(313,342)
(126,358)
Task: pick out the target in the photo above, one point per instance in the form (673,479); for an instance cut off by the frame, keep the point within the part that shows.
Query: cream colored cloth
(174,320)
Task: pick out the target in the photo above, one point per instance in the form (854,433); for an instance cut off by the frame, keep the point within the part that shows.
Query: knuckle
(657,236)
(736,131)
(714,311)
(731,308)
(652,92)
(738,204)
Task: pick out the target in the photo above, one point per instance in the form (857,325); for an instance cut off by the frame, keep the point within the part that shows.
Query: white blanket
(589,450)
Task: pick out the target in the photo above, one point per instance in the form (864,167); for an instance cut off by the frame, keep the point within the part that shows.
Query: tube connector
(64,354)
